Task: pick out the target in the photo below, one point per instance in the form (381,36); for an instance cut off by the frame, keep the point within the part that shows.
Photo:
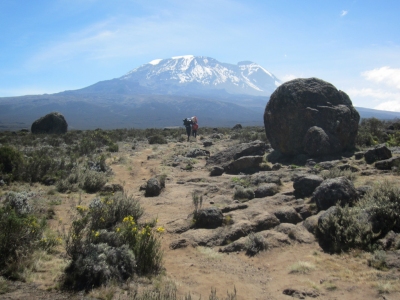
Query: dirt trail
(196,270)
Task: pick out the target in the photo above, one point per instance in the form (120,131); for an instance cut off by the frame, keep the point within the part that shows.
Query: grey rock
(224,157)
(197,152)
(178,243)
(153,187)
(216,171)
(387,164)
(245,164)
(305,185)
(304,103)
(265,190)
(210,217)
(52,123)
(334,190)
(379,152)
(287,214)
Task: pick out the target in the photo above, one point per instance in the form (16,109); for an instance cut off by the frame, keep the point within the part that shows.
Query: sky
(49,46)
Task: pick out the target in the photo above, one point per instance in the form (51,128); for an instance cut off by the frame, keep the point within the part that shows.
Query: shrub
(113,147)
(93,181)
(157,139)
(336,172)
(107,242)
(11,161)
(378,260)
(19,235)
(255,243)
(243,194)
(360,226)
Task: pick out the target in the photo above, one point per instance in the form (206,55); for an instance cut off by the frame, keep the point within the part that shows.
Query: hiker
(195,126)
(188,124)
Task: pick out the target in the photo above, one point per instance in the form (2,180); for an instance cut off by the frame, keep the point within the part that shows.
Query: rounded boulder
(310,116)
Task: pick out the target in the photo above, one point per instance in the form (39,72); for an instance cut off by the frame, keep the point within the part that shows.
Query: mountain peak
(190,74)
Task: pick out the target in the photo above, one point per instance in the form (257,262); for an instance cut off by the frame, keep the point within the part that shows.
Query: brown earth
(198,269)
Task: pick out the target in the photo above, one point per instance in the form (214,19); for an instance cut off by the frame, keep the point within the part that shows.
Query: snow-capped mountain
(199,74)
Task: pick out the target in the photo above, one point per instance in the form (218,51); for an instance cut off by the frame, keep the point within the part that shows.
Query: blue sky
(48,46)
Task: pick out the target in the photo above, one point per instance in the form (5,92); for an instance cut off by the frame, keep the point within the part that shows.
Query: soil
(195,269)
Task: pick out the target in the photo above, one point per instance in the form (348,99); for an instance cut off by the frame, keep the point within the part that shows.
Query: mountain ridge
(160,94)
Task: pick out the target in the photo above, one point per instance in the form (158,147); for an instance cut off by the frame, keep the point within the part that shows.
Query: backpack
(195,126)
(187,121)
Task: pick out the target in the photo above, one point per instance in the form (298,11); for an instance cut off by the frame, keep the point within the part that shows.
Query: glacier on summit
(188,73)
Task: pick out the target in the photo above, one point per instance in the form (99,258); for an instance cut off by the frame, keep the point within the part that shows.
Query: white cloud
(288,77)
(343,13)
(386,75)
(383,91)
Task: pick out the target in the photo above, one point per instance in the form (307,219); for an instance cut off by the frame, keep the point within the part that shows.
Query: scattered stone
(207,143)
(287,214)
(359,155)
(305,185)
(197,152)
(311,223)
(322,119)
(276,167)
(387,164)
(216,171)
(304,211)
(233,207)
(266,190)
(334,190)
(179,243)
(379,152)
(153,187)
(52,123)
(297,233)
(210,217)
(256,148)
(237,126)
(265,221)
(245,164)
(346,167)
(300,294)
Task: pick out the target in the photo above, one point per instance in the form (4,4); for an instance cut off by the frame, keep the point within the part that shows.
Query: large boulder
(310,116)
(53,123)
(334,190)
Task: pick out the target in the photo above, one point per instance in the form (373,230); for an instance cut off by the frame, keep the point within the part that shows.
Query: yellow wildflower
(160,229)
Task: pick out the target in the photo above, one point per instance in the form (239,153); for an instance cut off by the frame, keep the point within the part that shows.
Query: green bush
(157,139)
(92,181)
(243,194)
(336,172)
(255,243)
(19,235)
(107,242)
(360,226)
(11,161)
(113,147)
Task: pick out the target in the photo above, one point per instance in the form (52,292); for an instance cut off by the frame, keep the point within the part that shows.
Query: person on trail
(188,124)
(195,126)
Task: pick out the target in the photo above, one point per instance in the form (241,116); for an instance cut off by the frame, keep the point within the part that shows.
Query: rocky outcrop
(310,116)
(52,123)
